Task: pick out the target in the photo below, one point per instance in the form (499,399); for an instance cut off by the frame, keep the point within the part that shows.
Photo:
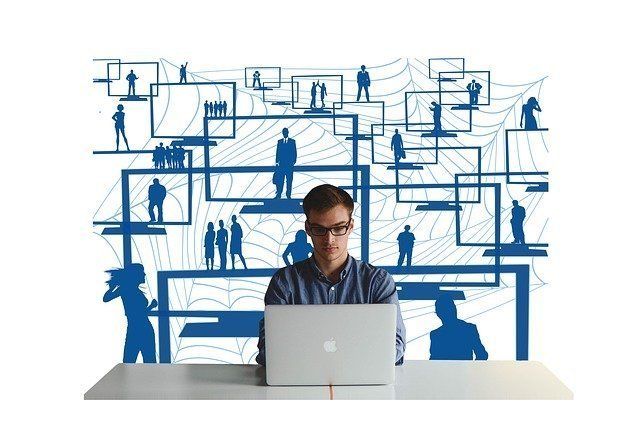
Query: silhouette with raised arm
(286,156)
(437,116)
(518,213)
(474,91)
(221,242)
(157,194)
(530,122)
(405,243)
(140,339)
(132,84)
(455,339)
(299,249)
(183,73)
(235,246)
(323,93)
(209,250)
(118,118)
(397,147)
(363,82)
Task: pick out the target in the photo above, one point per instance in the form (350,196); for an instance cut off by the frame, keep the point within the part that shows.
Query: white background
(54,344)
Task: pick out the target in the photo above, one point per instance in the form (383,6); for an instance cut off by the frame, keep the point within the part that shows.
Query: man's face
(330,247)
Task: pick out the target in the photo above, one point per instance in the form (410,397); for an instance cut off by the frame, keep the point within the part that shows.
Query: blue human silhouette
(286,156)
(528,108)
(455,339)
(209,242)
(206,108)
(364,82)
(256,79)
(405,243)
(181,157)
(140,339)
(131,78)
(323,93)
(158,157)
(235,246)
(518,213)
(157,194)
(183,73)
(211,110)
(118,118)
(222,239)
(216,109)
(437,116)
(314,91)
(299,249)
(397,146)
(474,91)
(224,107)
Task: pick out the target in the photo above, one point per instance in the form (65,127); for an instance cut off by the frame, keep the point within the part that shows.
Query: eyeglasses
(322,231)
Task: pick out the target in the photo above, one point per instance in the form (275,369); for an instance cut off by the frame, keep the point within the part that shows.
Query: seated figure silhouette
(298,249)
(140,339)
(455,339)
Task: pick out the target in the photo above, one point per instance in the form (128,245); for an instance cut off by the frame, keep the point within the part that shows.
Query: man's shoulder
(369,270)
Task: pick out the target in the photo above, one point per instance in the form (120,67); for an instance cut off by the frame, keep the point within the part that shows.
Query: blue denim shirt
(360,283)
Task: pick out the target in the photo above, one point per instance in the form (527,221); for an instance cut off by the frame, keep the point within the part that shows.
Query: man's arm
(384,292)
(276,294)
(478,348)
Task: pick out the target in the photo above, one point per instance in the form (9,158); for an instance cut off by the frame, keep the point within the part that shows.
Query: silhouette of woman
(209,251)
(235,246)
(527,113)
(125,283)
(118,117)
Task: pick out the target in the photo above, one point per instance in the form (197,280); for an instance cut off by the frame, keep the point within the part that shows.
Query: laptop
(337,344)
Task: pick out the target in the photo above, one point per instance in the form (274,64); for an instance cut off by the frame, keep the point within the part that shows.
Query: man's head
(473,81)
(363,67)
(515,203)
(156,181)
(407,227)
(221,223)
(234,218)
(446,308)
(285,132)
(329,222)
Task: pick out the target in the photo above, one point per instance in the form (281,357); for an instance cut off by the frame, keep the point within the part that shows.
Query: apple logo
(330,346)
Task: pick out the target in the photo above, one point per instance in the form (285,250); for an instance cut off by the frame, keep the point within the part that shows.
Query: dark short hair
(325,197)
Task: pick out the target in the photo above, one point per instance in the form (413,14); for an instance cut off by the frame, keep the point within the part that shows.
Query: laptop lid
(337,344)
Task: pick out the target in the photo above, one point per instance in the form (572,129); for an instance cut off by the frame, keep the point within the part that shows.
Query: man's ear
(306,227)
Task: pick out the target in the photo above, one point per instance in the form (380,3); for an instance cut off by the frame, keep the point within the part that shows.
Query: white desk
(414,380)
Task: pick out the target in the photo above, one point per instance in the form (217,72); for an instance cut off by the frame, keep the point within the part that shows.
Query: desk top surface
(414,380)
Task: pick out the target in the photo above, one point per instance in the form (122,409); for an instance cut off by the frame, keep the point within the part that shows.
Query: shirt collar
(322,277)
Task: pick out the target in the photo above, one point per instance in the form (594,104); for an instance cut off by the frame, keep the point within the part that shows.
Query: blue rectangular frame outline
(355,102)
(406,114)
(134,63)
(440,80)
(246,80)
(445,58)
(315,76)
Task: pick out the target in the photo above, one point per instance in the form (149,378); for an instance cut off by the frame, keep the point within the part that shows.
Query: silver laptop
(338,344)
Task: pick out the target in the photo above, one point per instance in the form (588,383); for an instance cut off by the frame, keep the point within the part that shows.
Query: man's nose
(329,237)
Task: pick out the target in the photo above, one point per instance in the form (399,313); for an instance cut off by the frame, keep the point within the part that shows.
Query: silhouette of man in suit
(286,156)
(518,214)
(157,194)
(222,242)
(405,244)
(455,339)
(363,82)
(474,90)
(437,116)
(131,78)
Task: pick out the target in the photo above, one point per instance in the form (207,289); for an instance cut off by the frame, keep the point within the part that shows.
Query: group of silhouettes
(221,239)
(167,157)
(215,109)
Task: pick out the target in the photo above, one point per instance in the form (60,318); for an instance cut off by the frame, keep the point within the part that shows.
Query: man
(405,243)
(157,194)
(222,239)
(518,214)
(363,82)
(474,90)
(331,275)
(132,83)
(455,339)
(397,147)
(206,108)
(286,156)
(183,73)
